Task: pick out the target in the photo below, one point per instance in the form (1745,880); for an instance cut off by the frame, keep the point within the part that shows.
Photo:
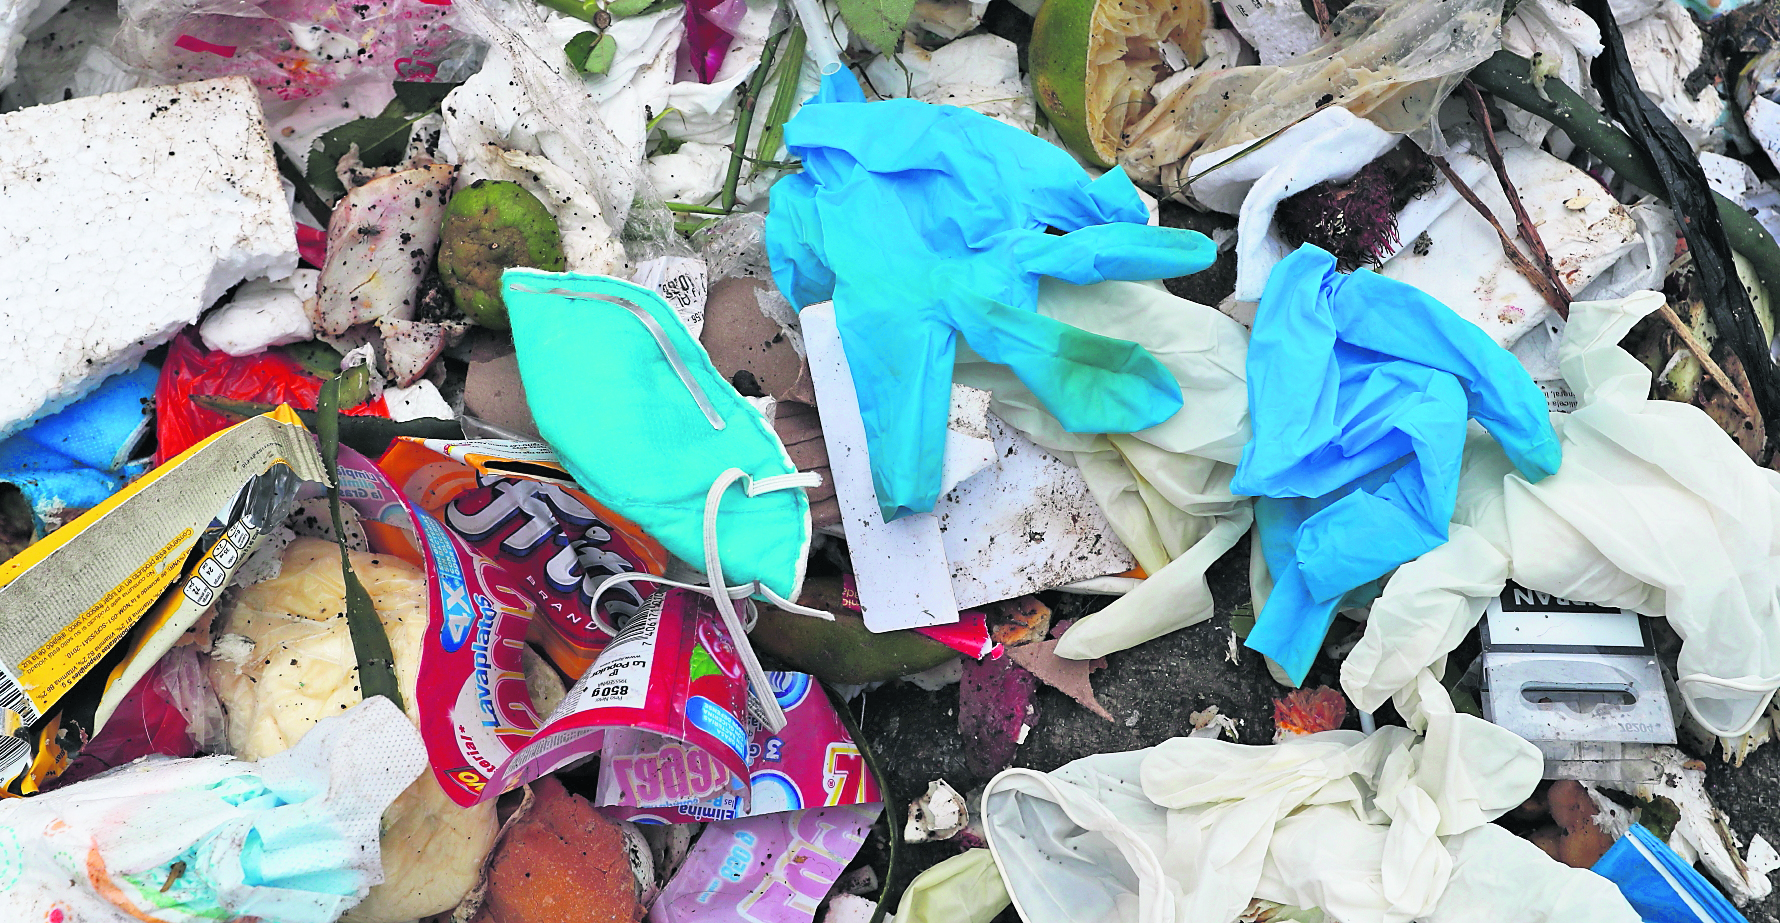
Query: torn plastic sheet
(536,105)
(1631,520)
(1392,61)
(292,837)
(70,461)
(66,57)
(1584,228)
(1331,145)
(1564,38)
(290,50)
(1665,48)
(519,119)
(1279,30)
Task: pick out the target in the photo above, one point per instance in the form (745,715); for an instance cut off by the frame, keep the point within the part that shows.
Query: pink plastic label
(811,763)
(775,868)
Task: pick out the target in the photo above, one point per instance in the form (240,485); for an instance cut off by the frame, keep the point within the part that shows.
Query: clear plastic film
(1392,62)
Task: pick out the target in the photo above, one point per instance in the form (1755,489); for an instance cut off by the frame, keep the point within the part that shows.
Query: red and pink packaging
(475,711)
(812,762)
(775,868)
(515,505)
(673,671)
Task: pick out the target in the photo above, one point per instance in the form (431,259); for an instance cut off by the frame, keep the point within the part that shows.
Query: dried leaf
(994,702)
(1069,677)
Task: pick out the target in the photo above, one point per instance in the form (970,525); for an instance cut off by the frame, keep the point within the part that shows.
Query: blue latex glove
(1359,389)
(924,222)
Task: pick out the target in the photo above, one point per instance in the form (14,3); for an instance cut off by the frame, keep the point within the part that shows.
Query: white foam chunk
(122,217)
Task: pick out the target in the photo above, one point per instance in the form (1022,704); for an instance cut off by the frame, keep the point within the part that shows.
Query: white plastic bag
(292,838)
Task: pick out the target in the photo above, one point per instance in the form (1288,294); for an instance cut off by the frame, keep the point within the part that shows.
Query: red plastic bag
(269,377)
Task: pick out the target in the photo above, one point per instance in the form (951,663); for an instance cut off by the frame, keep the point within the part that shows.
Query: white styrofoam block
(122,217)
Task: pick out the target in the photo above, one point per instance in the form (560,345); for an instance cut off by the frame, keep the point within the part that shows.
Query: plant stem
(684,208)
(1509,77)
(784,96)
(891,814)
(745,120)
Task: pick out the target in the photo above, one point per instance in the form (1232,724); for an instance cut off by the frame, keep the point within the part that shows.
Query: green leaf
(878,22)
(622,8)
(578,47)
(381,141)
(370,645)
(602,51)
(418,98)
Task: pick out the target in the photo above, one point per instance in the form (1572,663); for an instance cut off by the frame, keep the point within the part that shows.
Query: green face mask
(637,413)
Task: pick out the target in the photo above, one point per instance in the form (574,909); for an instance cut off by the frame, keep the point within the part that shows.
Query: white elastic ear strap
(725,599)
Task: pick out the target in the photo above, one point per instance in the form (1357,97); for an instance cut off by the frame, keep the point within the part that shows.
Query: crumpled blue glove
(922,222)
(1359,388)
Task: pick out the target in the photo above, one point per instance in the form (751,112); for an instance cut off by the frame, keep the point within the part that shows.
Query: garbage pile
(484,460)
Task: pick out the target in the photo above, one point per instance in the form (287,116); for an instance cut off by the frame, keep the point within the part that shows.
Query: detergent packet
(812,762)
(673,671)
(777,868)
(515,505)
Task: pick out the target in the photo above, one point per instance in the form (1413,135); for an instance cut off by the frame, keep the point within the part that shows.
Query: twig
(745,120)
(1322,18)
(1559,302)
(1701,353)
(1528,233)
(891,814)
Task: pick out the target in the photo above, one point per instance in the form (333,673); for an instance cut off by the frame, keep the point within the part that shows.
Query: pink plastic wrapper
(290,49)
(672,671)
(775,868)
(812,762)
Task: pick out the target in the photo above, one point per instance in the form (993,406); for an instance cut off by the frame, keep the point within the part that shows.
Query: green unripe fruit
(492,226)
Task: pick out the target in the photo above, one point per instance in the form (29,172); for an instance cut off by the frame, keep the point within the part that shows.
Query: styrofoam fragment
(263,313)
(122,218)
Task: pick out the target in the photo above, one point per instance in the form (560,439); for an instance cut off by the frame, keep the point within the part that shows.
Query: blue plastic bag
(72,460)
(1659,885)
(923,222)
(1359,391)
